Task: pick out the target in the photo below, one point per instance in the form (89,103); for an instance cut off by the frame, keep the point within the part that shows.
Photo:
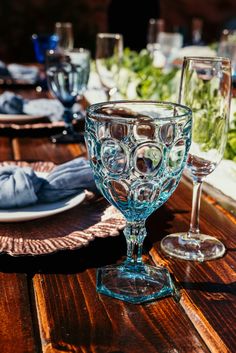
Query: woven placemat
(69,230)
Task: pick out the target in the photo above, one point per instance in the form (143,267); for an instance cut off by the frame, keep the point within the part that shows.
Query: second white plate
(40,210)
(18,118)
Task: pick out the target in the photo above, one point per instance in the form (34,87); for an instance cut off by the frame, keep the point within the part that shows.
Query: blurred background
(20,19)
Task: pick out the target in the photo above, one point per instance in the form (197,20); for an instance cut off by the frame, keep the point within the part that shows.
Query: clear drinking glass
(155,27)
(138,150)
(64,31)
(205,88)
(170,44)
(109,50)
(227,48)
(67,76)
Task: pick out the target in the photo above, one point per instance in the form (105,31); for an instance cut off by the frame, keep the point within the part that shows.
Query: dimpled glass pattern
(138,151)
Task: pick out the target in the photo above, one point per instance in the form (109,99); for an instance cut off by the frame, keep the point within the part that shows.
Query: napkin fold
(27,74)
(24,73)
(67,179)
(20,186)
(11,103)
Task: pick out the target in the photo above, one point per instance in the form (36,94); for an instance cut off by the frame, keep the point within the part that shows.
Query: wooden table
(49,303)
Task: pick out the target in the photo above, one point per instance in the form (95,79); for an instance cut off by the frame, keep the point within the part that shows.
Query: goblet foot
(67,137)
(134,283)
(202,248)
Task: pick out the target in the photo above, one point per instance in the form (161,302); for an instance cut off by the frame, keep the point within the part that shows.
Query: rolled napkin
(18,186)
(4,72)
(67,179)
(27,74)
(50,108)
(11,103)
(21,187)
(16,72)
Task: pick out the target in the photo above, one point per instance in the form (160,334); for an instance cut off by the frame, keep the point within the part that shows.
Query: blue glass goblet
(138,151)
(42,43)
(67,76)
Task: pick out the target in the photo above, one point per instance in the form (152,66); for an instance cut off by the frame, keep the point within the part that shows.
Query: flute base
(67,137)
(135,283)
(202,248)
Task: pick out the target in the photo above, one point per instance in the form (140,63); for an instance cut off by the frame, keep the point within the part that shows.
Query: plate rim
(8,118)
(33,215)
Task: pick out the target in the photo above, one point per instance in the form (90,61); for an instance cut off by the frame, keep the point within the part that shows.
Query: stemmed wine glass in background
(138,150)
(227,48)
(170,44)
(64,31)
(67,76)
(205,88)
(109,49)
(155,27)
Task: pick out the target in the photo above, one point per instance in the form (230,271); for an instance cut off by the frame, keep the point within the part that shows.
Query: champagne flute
(67,75)
(109,49)
(206,88)
(64,31)
(138,151)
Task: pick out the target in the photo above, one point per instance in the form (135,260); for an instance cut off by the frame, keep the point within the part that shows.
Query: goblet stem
(134,232)
(196,202)
(69,135)
(134,281)
(67,117)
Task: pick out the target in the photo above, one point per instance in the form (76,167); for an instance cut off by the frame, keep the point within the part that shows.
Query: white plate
(17,118)
(40,210)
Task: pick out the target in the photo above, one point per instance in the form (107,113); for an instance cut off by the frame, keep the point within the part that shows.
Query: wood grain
(209,289)
(29,149)
(6,149)
(74,318)
(16,328)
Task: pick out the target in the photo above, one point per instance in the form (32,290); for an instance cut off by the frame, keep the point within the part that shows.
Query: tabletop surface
(49,303)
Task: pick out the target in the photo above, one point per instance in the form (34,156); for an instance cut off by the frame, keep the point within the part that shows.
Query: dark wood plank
(44,150)
(209,294)
(74,318)
(6,149)
(16,328)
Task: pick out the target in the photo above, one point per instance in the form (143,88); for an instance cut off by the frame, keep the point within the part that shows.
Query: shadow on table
(229,288)
(100,252)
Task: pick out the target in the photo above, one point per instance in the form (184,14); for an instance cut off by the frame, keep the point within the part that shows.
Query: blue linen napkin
(11,103)
(27,74)
(67,179)
(18,72)
(4,72)
(21,187)
(18,186)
